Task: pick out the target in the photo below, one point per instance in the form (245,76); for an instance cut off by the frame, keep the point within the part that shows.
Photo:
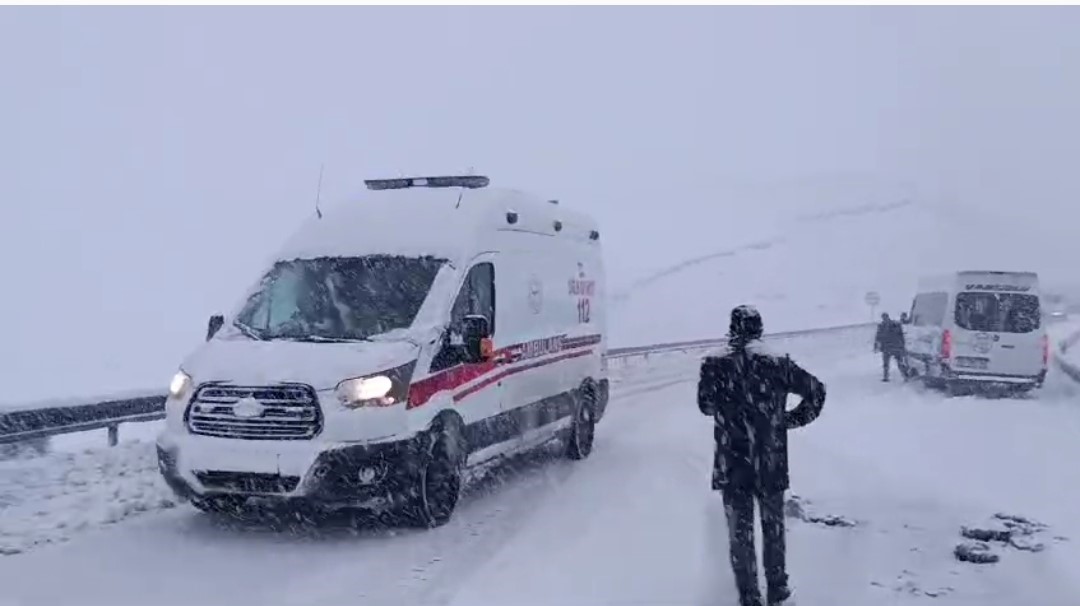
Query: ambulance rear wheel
(579,442)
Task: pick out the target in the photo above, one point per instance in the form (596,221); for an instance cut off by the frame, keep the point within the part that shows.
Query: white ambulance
(431,325)
(973,329)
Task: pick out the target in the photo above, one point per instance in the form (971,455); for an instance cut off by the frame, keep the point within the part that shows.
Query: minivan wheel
(579,443)
(438,484)
(1022,391)
(954,389)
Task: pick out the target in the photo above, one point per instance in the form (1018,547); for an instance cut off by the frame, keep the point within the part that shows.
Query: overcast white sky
(151,158)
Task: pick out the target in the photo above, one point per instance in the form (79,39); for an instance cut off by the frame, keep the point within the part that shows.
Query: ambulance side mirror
(215,324)
(476,332)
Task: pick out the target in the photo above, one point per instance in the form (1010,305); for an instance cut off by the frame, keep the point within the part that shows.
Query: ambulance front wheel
(439,480)
(579,442)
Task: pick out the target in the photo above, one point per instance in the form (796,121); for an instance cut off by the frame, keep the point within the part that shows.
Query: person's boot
(779,595)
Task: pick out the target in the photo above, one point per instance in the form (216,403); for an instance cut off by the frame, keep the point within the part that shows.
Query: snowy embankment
(636,523)
(54,497)
(1068,354)
(915,467)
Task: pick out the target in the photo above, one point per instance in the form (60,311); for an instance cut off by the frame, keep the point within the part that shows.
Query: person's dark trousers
(739,506)
(901,363)
(886,363)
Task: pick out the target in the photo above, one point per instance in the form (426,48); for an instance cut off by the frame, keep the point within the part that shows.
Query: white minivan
(430,325)
(973,329)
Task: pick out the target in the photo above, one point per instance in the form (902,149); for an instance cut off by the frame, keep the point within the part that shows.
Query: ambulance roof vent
(469,181)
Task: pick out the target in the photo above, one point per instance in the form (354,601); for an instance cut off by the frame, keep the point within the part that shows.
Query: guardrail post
(114,434)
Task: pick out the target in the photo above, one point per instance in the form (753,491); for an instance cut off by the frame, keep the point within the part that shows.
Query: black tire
(936,382)
(579,442)
(1023,391)
(438,482)
(954,389)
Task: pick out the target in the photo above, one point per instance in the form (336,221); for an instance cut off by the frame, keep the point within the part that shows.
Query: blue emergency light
(469,181)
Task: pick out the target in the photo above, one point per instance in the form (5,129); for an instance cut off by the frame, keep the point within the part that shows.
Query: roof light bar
(469,181)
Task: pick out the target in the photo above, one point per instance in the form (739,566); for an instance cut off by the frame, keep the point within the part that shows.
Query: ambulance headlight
(368,391)
(179,386)
(387,388)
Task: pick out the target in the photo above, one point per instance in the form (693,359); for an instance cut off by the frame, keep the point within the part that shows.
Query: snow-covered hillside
(813,268)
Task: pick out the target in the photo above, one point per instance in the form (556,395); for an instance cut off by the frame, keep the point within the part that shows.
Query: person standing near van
(745,391)
(890,342)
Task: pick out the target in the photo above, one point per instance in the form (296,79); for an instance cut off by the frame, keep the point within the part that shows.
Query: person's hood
(746,324)
(321,365)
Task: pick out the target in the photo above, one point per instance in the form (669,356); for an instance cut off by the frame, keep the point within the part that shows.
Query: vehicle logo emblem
(536,295)
(248,408)
(983,342)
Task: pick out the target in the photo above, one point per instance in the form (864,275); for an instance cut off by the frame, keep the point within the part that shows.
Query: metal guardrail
(23,425)
(704,344)
(35,423)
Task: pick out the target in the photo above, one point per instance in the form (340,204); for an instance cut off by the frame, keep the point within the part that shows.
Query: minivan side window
(476,297)
(930,309)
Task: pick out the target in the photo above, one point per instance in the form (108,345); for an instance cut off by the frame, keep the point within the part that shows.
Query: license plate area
(972,362)
(247,482)
(231,457)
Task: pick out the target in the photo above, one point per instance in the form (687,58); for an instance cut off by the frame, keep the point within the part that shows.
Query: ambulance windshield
(338,298)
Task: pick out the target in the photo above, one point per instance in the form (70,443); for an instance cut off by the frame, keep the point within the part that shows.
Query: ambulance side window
(477,297)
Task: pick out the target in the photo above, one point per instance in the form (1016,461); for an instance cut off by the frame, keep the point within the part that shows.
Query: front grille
(247,482)
(280,412)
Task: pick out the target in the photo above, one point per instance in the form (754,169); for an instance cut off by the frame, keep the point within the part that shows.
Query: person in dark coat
(890,342)
(745,391)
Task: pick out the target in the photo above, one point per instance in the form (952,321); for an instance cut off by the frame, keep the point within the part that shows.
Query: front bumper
(370,476)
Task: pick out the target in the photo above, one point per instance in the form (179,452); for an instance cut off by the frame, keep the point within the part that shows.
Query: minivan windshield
(997,312)
(338,298)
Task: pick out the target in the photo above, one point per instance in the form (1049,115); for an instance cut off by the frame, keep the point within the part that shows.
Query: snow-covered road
(636,523)
(181,557)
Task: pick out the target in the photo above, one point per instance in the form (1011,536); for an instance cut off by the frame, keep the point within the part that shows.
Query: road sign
(872,300)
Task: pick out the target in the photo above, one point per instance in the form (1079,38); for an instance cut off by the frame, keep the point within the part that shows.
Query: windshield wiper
(248,331)
(322,339)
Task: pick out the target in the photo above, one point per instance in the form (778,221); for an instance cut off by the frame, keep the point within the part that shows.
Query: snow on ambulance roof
(425,221)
